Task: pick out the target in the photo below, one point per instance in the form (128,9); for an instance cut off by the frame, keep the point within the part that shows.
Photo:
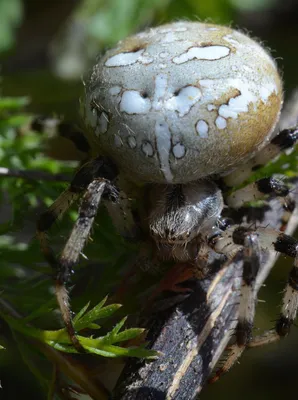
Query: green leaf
(128,334)
(115,351)
(80,314)
(94,326)
(95,313)
(110,337)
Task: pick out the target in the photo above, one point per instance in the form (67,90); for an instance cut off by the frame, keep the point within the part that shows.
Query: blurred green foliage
(11,14)
(96,24)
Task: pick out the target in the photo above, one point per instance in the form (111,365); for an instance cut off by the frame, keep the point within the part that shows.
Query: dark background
(45,48)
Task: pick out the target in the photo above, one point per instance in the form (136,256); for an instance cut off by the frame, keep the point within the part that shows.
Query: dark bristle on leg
(93,178)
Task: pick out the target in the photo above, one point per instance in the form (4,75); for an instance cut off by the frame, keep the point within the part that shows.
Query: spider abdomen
(182,101)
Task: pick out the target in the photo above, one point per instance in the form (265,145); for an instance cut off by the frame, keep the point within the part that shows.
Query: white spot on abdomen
(161,83)
(133,103)
(147,149)
(91,116)
(115,90)
(231,40)
(202,128)
(203,53)
(266,91)
(211,107)
(221,123)
(248,94)
(131,142)
(102,124)
(123,59)
(184,100)
(163,143)
(179,150)
(118,141)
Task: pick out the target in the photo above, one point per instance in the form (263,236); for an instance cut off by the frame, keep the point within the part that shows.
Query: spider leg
(257,191)
(93,177)
(248,296)
(56,127)
(252,240)
(229,241)
(289,309)
(72,250)
(286,139)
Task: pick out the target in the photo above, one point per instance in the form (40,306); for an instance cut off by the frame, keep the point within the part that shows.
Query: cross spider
(176,117)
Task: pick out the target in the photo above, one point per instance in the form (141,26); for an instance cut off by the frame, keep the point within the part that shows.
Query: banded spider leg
(251,241)
(93,181)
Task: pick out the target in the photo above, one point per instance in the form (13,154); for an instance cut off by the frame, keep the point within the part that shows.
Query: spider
(177,118)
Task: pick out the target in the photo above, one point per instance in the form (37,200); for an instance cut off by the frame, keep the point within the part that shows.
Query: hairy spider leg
(101,172)
(243,330)
(55,127)
(233,240)
(72,250)
(286,139)
(257,190)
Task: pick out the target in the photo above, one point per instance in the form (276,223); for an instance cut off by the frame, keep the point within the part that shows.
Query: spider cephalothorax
(169,113)
(180,213)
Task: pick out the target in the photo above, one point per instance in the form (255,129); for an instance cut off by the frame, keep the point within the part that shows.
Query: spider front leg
(94,178)
(229,243)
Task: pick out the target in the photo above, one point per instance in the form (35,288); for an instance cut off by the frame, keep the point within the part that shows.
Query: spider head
(180,212)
